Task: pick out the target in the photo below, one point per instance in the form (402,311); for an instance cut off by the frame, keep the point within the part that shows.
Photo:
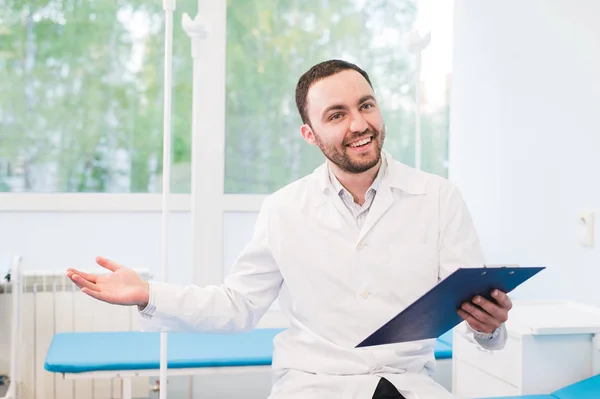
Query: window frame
(90,202)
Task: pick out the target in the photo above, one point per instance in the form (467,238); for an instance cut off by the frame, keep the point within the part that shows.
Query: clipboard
(435,313)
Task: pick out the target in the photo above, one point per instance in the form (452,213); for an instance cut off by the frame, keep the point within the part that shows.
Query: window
(82,103)
(81,109)
(82,97)
(271,43)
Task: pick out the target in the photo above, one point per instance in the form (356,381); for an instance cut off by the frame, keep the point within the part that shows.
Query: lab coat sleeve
(459,247)
(236,305)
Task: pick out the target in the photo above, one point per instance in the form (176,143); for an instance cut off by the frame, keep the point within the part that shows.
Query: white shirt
(337,283)
(360,212)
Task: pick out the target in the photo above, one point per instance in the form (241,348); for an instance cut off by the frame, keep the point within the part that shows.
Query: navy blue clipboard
(435,313)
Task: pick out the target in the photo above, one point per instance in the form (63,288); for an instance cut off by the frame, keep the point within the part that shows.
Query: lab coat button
(365,294)
(360,245)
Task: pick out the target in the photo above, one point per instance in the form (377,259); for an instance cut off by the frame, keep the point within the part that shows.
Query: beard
(350,162)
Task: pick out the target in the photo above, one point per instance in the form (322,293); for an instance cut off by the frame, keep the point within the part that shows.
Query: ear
(307,134)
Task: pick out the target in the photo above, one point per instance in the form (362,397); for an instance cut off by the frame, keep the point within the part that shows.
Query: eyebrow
(337,107)
(366,98)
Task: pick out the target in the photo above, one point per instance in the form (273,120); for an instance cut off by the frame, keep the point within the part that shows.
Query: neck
(356,183)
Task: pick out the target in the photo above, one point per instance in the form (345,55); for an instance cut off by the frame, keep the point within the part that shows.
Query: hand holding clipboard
(438,310)
(486,315)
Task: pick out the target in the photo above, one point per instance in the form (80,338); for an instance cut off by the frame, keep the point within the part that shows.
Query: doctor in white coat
(345,249)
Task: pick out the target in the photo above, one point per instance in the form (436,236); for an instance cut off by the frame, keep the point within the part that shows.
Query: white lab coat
(337,284)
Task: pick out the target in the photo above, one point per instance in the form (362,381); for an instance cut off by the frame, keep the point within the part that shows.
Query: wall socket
(588,219)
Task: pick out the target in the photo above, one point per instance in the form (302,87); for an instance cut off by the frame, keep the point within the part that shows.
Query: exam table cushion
(132,350)
(523,397)
(443,346)
(442,350)
(446,338)
(584,389)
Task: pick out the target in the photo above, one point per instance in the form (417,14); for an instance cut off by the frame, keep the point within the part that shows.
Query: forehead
(343,88)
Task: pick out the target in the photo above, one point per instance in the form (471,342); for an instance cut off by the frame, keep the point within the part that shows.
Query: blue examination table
(585,389)
(132,350)
(443,346)
(130,354)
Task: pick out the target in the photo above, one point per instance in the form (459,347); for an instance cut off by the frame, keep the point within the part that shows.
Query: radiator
(51,303)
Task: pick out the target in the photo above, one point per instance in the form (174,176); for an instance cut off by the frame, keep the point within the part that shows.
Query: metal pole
(169,7)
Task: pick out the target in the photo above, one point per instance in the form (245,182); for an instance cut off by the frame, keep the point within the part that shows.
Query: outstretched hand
(122,286)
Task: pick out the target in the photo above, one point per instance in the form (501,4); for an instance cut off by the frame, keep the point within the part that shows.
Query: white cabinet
(550,344)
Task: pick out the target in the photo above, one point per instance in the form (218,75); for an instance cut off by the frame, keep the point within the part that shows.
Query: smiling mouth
(360,143)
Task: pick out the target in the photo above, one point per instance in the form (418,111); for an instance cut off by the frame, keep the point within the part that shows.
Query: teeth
(361,142)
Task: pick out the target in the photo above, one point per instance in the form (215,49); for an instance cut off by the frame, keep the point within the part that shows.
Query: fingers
(480,317)
(89,277)
(474,323)
(484,315)
(108,264)
(497,312)
(502,299)
(478,313)
(83,283)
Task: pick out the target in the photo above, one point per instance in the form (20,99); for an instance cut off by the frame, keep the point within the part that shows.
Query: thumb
(108,264)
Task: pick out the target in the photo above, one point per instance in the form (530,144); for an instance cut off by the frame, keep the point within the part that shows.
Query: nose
(358,123)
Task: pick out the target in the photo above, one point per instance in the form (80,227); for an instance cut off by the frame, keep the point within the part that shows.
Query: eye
(335,117)
(368,105)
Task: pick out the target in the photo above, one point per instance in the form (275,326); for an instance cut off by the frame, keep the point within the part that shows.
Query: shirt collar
(339,188)
(397,175)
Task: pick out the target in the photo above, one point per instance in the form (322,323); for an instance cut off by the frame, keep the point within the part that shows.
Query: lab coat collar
(396,175)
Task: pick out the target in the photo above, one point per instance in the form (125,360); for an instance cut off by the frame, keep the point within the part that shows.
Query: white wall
(525,135)
(58,240)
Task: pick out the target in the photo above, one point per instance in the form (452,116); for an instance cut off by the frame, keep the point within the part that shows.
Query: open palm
(121,287)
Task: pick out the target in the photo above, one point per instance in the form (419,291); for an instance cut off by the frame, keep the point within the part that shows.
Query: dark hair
(319,72)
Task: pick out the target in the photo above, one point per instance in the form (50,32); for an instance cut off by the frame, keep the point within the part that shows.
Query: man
(345,249)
